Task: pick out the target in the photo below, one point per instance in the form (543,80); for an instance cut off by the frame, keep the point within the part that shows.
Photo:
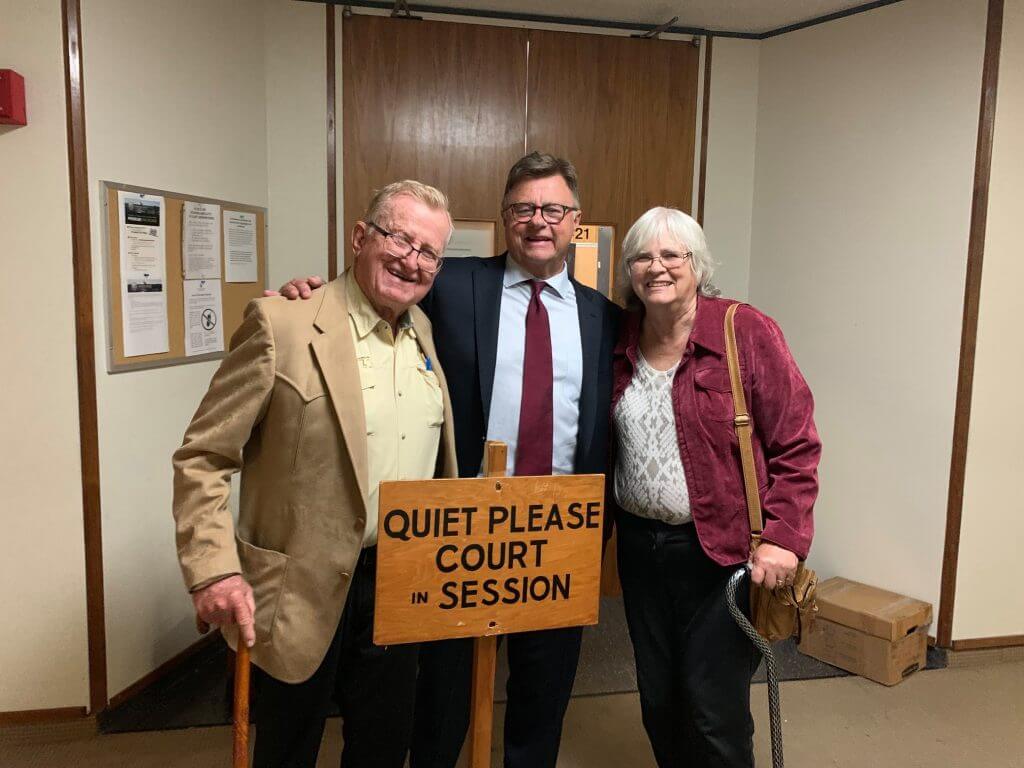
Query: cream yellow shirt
(401,397)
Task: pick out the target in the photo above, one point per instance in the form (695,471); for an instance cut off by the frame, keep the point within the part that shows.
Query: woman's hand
(773,566)
(299,288)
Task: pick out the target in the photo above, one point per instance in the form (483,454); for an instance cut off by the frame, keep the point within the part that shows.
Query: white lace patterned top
(649,478)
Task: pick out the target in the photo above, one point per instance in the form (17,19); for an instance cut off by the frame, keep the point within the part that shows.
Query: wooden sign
(487,556)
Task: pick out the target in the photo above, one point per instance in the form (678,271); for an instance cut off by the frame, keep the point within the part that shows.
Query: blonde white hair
(432,197)
(675,225)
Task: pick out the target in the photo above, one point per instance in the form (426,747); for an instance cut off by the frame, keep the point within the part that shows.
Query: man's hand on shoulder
(298,288)
(228,601)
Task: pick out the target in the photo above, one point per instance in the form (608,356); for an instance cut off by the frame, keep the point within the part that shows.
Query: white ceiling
(718,15)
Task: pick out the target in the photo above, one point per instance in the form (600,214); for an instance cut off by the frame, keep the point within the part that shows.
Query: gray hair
(380,203)
(677,226)
(539,165)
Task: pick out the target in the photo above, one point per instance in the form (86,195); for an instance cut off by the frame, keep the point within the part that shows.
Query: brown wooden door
(624,111)
(439,102)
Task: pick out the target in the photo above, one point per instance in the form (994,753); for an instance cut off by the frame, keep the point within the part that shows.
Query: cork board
(234,296)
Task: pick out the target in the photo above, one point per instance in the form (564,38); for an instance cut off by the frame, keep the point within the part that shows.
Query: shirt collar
(515,274)
(363,314)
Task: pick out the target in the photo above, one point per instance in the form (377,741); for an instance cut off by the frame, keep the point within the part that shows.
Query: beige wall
(989,601)
(218,112)
(42,562)
(729,189)
(866,134)
(296,104)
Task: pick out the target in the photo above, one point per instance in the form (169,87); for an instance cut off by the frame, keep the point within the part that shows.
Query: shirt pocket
(368,385)
(431,395)
(713,392)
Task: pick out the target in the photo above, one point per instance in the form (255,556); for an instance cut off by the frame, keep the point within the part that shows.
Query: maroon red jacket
(786,444)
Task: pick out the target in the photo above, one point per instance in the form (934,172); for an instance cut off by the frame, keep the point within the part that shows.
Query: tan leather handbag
(783,612)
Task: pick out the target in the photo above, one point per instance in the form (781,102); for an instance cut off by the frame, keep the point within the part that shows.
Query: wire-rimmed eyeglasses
(427,260)
(668,259)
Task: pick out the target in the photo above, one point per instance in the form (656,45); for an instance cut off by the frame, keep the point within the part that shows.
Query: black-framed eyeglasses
(398,246)
(552,213)
(668,259)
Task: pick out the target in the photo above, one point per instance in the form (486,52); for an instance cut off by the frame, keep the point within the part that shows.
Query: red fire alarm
(12,98)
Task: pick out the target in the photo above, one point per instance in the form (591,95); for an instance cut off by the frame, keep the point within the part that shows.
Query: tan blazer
(285,407)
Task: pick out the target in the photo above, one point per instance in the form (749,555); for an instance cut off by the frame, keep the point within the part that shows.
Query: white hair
(380,204)
(677,226)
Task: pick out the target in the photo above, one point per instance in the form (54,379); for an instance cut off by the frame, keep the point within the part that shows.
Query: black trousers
(693,663)
(374,688)
(542,668)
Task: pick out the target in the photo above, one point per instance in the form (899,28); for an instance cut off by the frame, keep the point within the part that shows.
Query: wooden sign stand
(487,556)
(485,652)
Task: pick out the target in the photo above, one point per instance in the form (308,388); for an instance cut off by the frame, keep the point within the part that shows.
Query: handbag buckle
(741,420)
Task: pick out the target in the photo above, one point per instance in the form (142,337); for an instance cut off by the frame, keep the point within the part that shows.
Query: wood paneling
(441,103)
(623,110)
(85,351)
(969,333)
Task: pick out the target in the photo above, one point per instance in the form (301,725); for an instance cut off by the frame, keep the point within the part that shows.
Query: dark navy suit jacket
(464,307)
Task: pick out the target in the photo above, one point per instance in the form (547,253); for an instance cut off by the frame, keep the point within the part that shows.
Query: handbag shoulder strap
(743,424)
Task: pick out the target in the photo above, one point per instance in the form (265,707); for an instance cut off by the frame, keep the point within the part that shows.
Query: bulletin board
(234,295)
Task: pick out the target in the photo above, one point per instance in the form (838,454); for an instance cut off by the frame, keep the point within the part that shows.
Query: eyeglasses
(668,259)
(552,213)
(428,261)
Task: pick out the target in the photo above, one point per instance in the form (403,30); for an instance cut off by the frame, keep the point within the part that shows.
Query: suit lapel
(590,340)
(487,285)
(426,340)
(335,353)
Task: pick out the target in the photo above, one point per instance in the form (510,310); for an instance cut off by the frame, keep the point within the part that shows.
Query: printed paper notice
(240,247)
(143,284)
(200,240)
(204,330)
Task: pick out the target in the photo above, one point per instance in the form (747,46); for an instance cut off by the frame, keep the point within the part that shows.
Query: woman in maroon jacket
(683,525)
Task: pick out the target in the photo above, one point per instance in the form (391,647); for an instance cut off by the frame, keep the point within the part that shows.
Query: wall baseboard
(42,716)
(978,643)
(163,670)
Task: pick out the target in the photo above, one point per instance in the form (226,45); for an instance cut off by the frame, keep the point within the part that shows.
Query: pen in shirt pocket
(426,362)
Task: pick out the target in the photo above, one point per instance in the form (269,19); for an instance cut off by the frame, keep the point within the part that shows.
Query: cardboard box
(871,632)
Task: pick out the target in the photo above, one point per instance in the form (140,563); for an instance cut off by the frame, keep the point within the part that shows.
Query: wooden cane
(240,704)
(240,721)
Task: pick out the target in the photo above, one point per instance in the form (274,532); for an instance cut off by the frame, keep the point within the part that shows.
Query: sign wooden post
(485,652)
(487,556)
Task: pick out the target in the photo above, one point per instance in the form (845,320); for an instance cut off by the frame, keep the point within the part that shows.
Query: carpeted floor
(960,717)
(198,695)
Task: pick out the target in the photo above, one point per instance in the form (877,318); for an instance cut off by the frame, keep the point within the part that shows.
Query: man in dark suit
(528,354)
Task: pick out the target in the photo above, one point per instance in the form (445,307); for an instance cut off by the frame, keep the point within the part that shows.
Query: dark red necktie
(536,411)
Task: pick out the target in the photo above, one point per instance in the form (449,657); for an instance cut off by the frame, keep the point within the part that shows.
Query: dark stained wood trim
(572,21)
(169,666)
(979,643)
(709,42)
(42,716)
(969,334)
(828,17)
(577,21)
(85,343)
(332,144)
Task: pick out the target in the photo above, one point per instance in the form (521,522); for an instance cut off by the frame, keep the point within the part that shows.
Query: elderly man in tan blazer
(316,404)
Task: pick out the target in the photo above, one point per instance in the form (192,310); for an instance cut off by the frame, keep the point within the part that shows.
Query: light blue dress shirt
(559,299)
